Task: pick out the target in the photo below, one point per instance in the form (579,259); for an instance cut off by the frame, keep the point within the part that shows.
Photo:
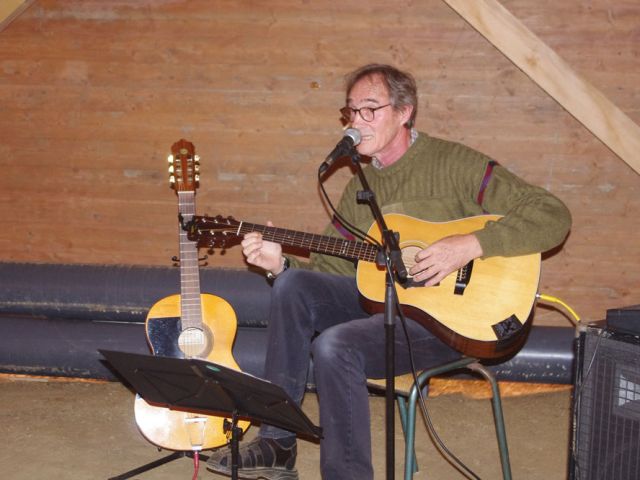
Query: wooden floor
(76,430)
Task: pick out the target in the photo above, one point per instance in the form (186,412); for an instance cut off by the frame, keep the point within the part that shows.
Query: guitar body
(213,341)
(490,318)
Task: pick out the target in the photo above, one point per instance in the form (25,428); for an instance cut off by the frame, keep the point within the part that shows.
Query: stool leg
(409,453)
(499,418)
(409,466)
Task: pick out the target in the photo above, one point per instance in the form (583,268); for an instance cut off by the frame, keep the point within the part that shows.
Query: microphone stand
(390,257)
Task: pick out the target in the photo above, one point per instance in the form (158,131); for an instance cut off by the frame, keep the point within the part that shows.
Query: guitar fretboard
(316,243)
(190,305)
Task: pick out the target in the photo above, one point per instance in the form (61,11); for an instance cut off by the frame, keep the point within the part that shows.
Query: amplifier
(624,320)
(605,442)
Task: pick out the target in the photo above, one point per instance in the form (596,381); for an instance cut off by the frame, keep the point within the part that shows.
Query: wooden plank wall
(94,92)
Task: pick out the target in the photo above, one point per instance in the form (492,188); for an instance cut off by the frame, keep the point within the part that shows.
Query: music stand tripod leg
(149,466)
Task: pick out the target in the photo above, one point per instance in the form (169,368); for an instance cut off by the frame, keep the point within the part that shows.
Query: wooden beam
(11,9)
(582,100)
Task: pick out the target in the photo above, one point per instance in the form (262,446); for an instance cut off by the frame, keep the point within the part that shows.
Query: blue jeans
(319,314)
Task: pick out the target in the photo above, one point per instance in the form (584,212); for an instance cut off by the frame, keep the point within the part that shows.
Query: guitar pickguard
(163,334)
(507,327)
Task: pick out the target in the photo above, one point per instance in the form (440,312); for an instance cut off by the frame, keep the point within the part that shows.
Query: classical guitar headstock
(184,167)
(213,232)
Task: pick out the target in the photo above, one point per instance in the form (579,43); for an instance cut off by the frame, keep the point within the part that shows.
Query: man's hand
(443,257)
(262,253)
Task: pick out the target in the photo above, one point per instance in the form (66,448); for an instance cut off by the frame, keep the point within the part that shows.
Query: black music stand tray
(200,386)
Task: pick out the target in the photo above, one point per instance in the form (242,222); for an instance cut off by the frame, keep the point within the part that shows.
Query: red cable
(196,465)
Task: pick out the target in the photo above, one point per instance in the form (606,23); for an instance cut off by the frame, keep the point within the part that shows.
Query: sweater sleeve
(534,219)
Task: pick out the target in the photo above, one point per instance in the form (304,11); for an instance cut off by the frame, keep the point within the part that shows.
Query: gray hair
(400,85)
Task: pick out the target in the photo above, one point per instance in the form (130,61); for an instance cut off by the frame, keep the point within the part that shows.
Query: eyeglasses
(366,113)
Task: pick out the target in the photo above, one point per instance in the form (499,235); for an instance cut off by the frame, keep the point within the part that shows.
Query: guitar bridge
(196,428)
(463,278)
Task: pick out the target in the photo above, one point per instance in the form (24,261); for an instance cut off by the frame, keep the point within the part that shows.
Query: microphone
(350,139)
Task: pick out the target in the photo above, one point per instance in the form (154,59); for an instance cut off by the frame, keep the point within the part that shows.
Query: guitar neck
(190,304)
(336,247)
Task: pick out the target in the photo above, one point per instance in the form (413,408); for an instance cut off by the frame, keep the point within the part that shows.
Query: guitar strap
(485,180)
(341,229)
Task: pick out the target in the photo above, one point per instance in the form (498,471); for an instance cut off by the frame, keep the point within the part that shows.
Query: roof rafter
(10,10)
(545,67)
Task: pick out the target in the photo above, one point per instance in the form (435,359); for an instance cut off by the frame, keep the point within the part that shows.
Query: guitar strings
(311,241)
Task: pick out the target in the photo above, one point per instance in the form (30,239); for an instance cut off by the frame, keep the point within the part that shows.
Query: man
(315,309)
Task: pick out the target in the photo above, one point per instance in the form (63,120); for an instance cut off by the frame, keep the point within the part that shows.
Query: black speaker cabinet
(605,441)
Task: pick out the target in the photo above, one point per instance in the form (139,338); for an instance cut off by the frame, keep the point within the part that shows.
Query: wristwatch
(285,265)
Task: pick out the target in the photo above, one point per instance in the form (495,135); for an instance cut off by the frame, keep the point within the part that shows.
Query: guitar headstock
(213,232)
(184,167)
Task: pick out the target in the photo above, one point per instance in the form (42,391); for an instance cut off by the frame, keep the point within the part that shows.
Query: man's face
(385,136)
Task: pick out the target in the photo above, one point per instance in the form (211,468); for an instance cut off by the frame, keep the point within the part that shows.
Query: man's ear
(406,112)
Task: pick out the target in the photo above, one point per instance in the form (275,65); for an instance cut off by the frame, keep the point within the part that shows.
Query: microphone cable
(348,225)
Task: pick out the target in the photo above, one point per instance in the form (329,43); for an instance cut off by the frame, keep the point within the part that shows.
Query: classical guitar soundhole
(193,342)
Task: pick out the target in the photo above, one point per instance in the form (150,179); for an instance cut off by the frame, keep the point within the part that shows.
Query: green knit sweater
(439,180)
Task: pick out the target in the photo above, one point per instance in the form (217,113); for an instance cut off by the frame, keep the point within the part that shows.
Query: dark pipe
(55,317)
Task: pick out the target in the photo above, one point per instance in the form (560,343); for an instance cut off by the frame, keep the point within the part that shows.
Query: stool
(407,399)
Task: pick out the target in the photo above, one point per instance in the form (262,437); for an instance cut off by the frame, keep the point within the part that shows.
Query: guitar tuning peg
(196,158)
(172,180)
(222,248)
(197,178)
(170,159)
(196,167)
(171,169)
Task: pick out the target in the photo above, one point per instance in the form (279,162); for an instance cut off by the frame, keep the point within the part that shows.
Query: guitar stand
(205,387)
(157,463)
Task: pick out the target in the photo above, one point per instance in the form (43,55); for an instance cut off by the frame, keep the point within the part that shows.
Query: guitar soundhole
(409,253)
(193,342)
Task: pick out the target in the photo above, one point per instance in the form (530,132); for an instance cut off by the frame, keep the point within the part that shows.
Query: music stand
(205,387)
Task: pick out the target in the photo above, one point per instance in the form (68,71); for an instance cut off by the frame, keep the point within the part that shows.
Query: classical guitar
(187,325)
(481,310)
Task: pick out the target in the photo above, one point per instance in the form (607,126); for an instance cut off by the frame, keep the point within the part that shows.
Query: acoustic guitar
(189,325)
(481,310)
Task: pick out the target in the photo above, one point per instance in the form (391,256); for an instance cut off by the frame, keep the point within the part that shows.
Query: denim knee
(325,347)
(331,351)
(294,281)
